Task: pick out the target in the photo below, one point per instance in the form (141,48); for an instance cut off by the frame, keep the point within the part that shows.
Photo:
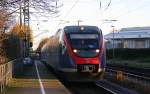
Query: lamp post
(113,42)
(113,29)
(21,31)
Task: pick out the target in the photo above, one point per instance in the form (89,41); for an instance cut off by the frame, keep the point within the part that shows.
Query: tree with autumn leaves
(19,31)
(16,39)
(3,36)
(10,41)
(42,43)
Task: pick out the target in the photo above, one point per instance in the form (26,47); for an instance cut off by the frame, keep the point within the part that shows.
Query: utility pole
(21,37)
(26,26)
(113,29)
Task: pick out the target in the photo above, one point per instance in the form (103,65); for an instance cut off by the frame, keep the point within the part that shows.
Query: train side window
(62,37)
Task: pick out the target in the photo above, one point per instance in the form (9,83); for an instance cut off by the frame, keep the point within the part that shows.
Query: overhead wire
(71,8)
(68,12)
(131,11)
(108,5)
(102,10)
(100,4)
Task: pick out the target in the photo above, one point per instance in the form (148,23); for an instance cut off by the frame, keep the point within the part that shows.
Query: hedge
(128,54)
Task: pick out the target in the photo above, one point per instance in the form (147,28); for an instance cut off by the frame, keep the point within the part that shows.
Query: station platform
(37,79)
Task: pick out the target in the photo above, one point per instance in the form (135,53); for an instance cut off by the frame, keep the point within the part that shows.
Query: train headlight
(75,50)
(97,50)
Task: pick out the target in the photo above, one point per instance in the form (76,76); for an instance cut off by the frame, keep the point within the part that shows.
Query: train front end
(85,52)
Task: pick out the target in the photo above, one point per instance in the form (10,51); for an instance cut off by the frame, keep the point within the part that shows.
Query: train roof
(82,28)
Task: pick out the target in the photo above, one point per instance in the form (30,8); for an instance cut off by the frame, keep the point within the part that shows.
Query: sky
(128,13)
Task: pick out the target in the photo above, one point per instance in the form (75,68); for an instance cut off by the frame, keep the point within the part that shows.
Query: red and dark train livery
(77,51)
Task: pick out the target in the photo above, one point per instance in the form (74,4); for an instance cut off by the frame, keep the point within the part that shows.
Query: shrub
(128,54)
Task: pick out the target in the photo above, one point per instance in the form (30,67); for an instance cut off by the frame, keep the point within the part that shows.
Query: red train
(76,51)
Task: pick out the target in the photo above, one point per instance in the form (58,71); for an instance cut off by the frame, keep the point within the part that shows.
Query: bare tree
(3,19)
(9,7)
(42,6)
(37,7)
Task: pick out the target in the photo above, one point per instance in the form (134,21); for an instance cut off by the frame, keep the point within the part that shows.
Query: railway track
(87,88)
(135,71)
(98,87)
(130,74)
(114,88)
(132,80)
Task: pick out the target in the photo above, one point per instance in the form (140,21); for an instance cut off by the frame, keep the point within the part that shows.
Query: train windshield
(85,45)
(84,41)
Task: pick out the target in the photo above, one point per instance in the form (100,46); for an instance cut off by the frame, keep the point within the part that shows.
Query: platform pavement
(37,79)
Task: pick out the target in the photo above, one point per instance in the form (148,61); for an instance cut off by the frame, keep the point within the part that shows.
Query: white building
(135,37)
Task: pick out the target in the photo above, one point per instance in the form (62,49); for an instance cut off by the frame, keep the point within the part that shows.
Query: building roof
(128,33)
(135,28)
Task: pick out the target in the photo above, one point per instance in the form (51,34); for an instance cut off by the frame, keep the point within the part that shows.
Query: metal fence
(8,71)
(5,75)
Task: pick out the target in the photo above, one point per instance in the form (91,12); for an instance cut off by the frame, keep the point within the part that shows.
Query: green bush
(128,54)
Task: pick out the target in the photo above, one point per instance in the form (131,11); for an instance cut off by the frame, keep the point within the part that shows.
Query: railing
(8,71)
(5,75)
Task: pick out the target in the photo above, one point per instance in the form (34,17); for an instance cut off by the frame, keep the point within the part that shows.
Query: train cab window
(84,41)
(86,45)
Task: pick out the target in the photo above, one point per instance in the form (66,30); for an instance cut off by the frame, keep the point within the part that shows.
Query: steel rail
(129,74)
(112,92)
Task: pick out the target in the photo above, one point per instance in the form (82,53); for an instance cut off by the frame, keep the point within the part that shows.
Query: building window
(140,44)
